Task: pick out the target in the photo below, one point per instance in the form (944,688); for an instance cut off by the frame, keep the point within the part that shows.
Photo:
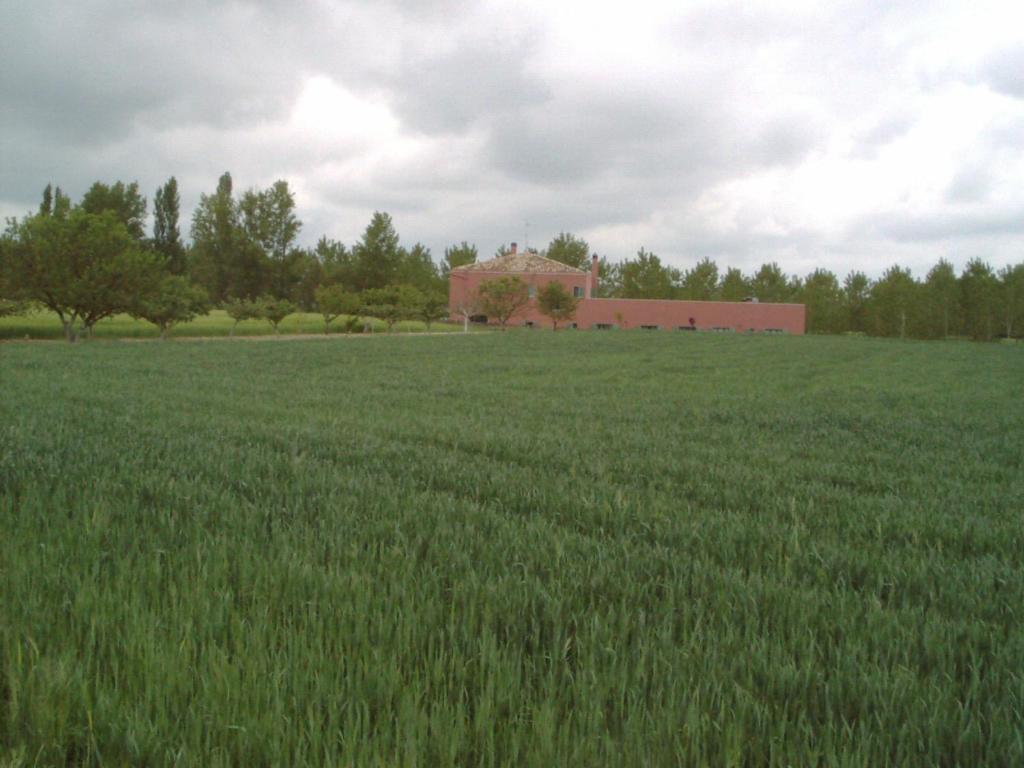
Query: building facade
(655,314)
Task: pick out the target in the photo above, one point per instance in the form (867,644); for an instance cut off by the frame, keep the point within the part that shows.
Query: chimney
(512,249)
(595,268)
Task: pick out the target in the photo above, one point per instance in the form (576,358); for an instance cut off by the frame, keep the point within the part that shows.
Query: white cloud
(845,135)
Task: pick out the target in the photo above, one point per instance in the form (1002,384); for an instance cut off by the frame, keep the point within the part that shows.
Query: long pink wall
(634,313)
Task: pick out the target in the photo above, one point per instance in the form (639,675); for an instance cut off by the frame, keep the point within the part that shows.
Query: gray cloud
(725,132)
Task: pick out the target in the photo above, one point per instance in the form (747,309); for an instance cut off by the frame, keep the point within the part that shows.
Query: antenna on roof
(526,240)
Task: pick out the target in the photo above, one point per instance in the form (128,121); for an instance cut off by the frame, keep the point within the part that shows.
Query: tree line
(92,259)
(89,260)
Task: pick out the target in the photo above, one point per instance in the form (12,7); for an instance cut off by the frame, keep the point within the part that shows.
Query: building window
(687,327)
(649,327)
(603,326)
(577,292)
(533,292)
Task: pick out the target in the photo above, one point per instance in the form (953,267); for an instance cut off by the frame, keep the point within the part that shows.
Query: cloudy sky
(850,135)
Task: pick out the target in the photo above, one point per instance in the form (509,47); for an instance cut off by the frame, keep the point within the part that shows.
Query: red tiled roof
(519,262)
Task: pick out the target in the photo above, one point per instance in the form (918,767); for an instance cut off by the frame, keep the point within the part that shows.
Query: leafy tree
(240,310)
(433,308)
(174,301)
(771,285)
(458,256)
(336,262)
(894,303)
(46,206)
(268,221)
(856,296)
(503,298)
(646,278)
(979,290)
(556,302)
(10,307)
(734,286)
(334,301)
(376,257)
(941,300)
(125,201)
(215,242)
(308,275)
(569,249)
(1011,298)
(268,218)
(84,267)
(417,268)
(393,303)
(701,282)
(274,310)
(609,279)
(822,298)
(166,233)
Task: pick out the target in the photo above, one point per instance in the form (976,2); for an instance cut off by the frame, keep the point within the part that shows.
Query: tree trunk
(69,331)
(163,332)
(465,323)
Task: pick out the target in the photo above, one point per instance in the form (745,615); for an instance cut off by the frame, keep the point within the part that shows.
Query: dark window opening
(603,326)
(687,327)
(649,327)
(577,292)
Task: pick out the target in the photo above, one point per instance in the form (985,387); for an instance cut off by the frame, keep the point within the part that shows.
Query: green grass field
(512,549)
(45,325)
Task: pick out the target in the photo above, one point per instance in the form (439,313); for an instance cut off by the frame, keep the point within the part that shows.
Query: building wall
(635,313)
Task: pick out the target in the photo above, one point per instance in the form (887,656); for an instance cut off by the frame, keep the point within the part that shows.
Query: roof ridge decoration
(519,262)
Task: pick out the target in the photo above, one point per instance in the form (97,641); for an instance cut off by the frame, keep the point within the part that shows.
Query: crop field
(43,324)
(618,548)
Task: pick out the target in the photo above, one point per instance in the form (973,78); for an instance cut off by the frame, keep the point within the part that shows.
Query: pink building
(537,271)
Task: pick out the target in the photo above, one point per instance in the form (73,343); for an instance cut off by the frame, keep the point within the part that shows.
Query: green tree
(771,285)
(458,256)
(609,279)
(240,310)
(433,308)
(556,302)
(701,282)
(274,310)
(569,249)
(417,268)
(979,296)
(941,301)
(822,297)
(336,262)
(376,257)
(646,278)
(1011,298)
(392,303)
(734,286)
(84,267)
(894,305)
(174,301)
(268,221)
(166,232)
(46,206)
(215,242)
(856,297)
(124,200)
(333,301)
(502,298)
